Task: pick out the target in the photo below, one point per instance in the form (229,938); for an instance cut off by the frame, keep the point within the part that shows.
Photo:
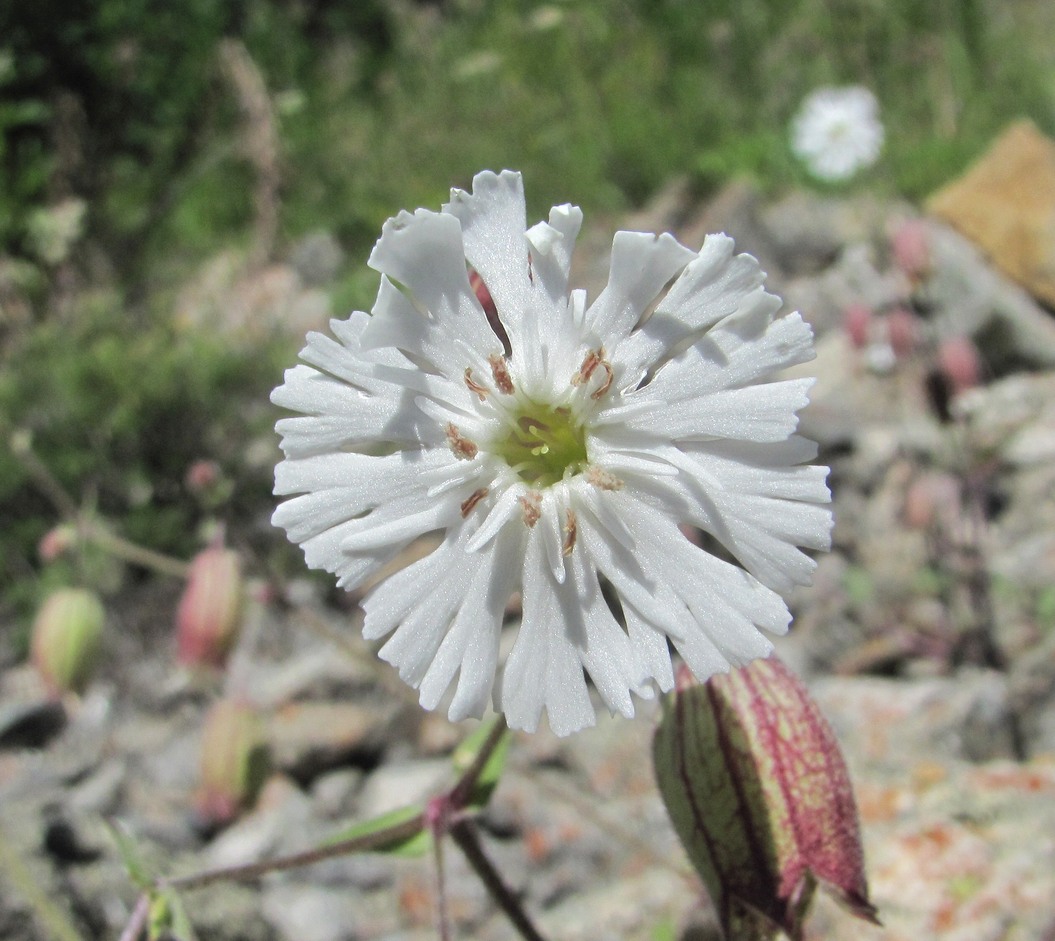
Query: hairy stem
(464,835)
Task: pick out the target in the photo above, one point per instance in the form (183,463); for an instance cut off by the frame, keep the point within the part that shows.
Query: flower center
(545,446)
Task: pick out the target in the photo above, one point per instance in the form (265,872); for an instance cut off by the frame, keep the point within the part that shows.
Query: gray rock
(302,912)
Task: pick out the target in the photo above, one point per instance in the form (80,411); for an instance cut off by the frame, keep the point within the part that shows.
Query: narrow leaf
(415,845)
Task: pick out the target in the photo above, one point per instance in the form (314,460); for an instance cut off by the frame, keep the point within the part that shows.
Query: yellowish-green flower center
(545,446)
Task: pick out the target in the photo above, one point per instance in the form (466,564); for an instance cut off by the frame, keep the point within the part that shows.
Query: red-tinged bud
(910,245)
(755,784)
(57,542)
(67,639)
(902,331)
(857,322)
(932,498)
(202,476)
(210,611)
(959,364)
(233,760)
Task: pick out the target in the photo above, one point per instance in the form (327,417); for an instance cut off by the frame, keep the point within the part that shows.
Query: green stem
(49,914)
(397,833)
(462,791)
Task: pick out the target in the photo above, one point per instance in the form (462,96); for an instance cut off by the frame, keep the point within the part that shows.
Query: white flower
(837,132)
(555,447)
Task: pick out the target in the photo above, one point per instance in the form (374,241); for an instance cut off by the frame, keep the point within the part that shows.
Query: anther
(503,383)
(473,385)
(591,361)
(469,505)
(602,479)
(462,447)
(531,503)
(571,530)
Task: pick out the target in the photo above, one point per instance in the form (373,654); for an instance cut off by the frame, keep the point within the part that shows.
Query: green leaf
(465,754)
(413,846)
(130,855)
(172,923)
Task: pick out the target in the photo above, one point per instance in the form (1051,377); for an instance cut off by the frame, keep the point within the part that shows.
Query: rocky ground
(928,638)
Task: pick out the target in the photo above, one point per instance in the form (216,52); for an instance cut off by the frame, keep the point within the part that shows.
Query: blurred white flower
(556,448)
(837,132)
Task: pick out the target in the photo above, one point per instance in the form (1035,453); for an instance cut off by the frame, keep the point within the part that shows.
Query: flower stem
(396,833)
(463,832)
(462,791)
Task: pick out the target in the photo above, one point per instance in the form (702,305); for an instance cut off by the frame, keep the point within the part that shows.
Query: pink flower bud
(210,610)
(56,542)
(932,499)
(902,331)
(755,784)
(910,244)
(202,476)
(857,322)
(67,639)
(959,364)
(233,760)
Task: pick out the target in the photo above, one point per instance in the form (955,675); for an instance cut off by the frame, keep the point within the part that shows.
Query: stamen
(462,447)
(503,383)
(591,361)
(602,479)
(571,530)
(469,504)
(531,503)
(474,385)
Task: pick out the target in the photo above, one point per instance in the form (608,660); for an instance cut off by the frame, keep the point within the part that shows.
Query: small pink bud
(56,542)
(757,790)
(902,331)
(932,499)
(210,611)
(202,476)
(67,639)
(910,244)
(233,760)
(857,322)
(959,364)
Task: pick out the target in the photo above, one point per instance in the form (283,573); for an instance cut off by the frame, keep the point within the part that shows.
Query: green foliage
(117,413)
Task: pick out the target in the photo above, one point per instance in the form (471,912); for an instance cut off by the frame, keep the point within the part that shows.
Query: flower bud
(210,610)
(233,760)
(857,322)
(910,245)
(959,364)
(759,795)
(902,331)
(67,638)
(56,542)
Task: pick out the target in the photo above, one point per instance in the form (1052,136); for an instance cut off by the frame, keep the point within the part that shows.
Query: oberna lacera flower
(837,132)
(557,448)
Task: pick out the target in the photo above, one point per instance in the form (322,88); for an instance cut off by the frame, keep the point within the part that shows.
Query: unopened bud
(67,639)
(903,330)
(759,795)
(233,760)
(910,245)
(56,542)
(857,322)
(210,612)
(201,476)
(959,364)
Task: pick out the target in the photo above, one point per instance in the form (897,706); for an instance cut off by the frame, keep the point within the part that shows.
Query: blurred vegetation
(129,157)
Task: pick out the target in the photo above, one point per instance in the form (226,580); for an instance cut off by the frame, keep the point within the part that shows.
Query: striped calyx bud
(233,760)
(210,611)
(67,638)
(759,795)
